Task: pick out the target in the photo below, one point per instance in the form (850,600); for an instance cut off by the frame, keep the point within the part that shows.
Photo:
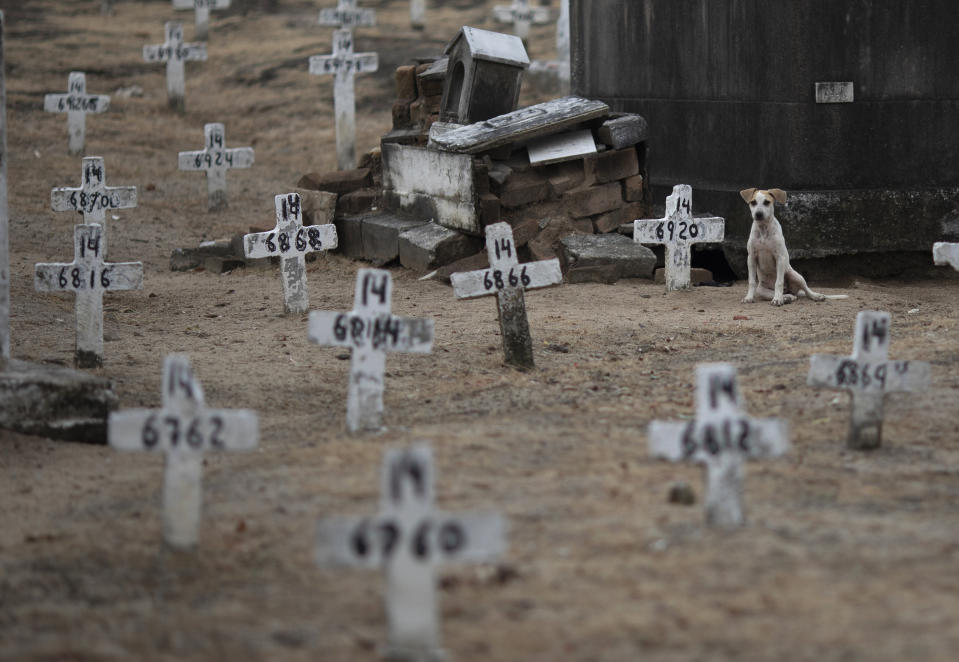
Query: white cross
(408,538)
(216,159)
(721,437)
(183,429)
(521,16)
(946,253)
(371,331)
(347,15)
(678,230)
(291,241)
(344,64)
(202,8)
(88,276)
(76,103)
(93,198)
(174,52)
(418,14)
(4,216)
(868,375)
(507,278)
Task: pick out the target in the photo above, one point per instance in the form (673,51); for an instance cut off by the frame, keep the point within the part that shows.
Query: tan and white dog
(770,276)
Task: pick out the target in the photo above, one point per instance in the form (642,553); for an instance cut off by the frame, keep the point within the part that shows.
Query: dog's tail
(836,296)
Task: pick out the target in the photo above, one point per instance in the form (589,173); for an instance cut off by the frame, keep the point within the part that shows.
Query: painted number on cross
(202,432)
(730,435)
(379,332)
(669,230)
(72,103)
(429,539)
(850,373)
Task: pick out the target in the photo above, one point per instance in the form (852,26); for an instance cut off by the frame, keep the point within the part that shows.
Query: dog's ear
(748,193)
(778,194)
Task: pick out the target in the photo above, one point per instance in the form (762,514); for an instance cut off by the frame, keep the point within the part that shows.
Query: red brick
(524,231)
(582,225)
(406,83)
(593,200)
(338,181)
(540,249)
(634,189)
(611,221)
(490,209)
(612,165)
(401,114)
(430,87)
(524,189)
(357,201)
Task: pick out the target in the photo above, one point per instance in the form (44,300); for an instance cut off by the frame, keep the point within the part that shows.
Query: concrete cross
(88,276)
(677,231)
(291,241)
(721,437)
(344,64)
(174,52)
(946,253)
(216,159)
(562,42)
(868,375)
(521,16)
(202,8)
(183,429)
(418,14)
(347,15)
(508,279)
(371,331)
(409,539)
(76,103)
(4,216)
(93,198)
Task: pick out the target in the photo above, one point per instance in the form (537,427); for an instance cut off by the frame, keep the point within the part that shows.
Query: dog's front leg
(752,268)
(780,280)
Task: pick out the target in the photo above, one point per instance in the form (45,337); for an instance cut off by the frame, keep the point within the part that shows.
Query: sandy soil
(847,556)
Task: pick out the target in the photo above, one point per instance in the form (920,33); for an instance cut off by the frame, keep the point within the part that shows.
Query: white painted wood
(183,429)
(721,437)
(410,539)
(215,159)
(562,41)
(521,16)
(868,375)
(677,231)
(344,64)
(174,52)
(89,277)
(944,253)
(835,92)
(370,331)
(347,15)
(202,9)
(76,103)
(561,147)
(4,214)
(93,197)
(290,240)
(418,14)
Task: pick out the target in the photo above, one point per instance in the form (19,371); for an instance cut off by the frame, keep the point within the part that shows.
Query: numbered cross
(945,253)
(216,159)
(93,198)
(344,64)
(183,429)
(76,103)
(418,14)
(507,278)
(521,16)
(371,331)
(347,15)
(291,241)
(202,8)
(868,375)
(174,52)
(721,437)
(88,276)
(4,216)
(408,538)
(677,231)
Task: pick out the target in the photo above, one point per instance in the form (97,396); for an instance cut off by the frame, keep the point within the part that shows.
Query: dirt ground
(846,556)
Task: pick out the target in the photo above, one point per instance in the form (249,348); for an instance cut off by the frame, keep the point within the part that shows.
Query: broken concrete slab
(604,258)
(185,259)
(429,246)
(623,130)
(54,402)
(381,235)
(469,263)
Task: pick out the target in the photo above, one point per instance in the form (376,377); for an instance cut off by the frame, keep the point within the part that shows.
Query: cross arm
(488,281)
(239,157)
(193,52)
(306,239)
(64,103)
(193,4)
(110,197)
(162,430)
(843,372)
(347,17)
(387,332)
(665,230)
(157,53)
(117,276)
(673,440)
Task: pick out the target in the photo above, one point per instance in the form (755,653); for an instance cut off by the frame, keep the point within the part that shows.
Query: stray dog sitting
(770,276)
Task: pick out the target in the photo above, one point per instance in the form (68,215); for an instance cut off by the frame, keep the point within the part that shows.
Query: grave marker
(508,279)
(371,331)
(521,16)
(76,103)
(183,429)
(562,42)
(677,231)
(216,159)
(418,14)
(347,15)
(409,539)
(4,215)
(945,253)
(88,276)
(721,437)
(344,64)
(291,241)
(93,197)
(202,8)
(868,375)
(174,52)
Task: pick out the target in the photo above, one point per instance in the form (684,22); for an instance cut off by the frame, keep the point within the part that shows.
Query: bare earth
(847,556)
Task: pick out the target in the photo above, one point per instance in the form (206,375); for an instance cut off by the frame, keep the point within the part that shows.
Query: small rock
(682,494)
